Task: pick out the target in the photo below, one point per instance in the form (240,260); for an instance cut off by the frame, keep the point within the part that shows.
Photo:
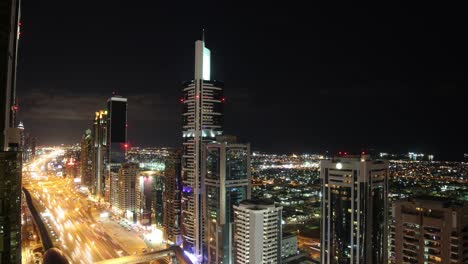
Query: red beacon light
(346,153)
(181,100)
(339,153)
(125,145)
(223,99)
(363,153)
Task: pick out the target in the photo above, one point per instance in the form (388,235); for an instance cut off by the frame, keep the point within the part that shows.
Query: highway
(68,217)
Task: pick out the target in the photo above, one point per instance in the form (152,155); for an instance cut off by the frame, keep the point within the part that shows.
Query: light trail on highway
(68,215)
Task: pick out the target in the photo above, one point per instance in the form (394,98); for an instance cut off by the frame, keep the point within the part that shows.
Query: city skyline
(390,63)
(367,100)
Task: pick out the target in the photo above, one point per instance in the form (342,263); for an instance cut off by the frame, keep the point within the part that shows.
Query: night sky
(297,78)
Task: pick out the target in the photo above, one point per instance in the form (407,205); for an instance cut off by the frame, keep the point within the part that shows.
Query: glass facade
(118,121)
(117,129)
(354,211)
(236,164)
(10,207)
(227,182)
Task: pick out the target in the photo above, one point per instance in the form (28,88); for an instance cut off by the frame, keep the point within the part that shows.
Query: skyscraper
(9,35)
(22,140)
(227,182)
(257,232)
(10,157)
(126,188)
(116,143)
(148,185)
(354,210)
(202,122)
(86,159)
(172,197)
(99,136)
(429,230)
(10,207)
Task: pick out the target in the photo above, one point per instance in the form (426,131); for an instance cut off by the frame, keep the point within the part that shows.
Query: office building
(288,246)
(354,210)
(227,182)
(116,143)
(202,122)
(99,150)
(25,145)
(10,155)
(150,198)
(10,207)
(157,194)
(22,141)
(429,230)
(9,36)
(257,232)
(125,188)
(144,197)
(86,159)
(172,198)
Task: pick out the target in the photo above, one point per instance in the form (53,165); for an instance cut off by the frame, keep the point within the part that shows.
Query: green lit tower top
(202,121)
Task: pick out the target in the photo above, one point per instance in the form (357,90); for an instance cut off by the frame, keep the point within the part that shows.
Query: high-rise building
(202,122)
(116,143)
(125,185)
(9,36)
(288,246)
(227,182)
(150,197)
(354,210)
(99,137)
(257,232)
(22,140)
(10,207)
(172,197)
(86,159)
(429,230)
(10,155)
(157,195)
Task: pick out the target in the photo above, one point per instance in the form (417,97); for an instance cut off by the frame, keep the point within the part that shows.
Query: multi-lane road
(73,220)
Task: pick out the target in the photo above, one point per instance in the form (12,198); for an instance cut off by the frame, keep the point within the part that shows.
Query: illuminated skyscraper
(10,157)
(147,190)
(429,230)
(202,122)
(9,35)
(257,232)
(116,143)
(99,136)
(172,197)
(354,210)
(86,159)
(125,185)
(10,207)
(227,182)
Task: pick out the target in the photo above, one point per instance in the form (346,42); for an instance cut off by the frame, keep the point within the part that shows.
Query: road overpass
(45,238)
(175,253)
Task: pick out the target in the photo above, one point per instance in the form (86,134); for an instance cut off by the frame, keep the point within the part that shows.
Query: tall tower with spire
(202,121)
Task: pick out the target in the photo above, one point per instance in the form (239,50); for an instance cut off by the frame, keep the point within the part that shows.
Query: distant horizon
(320,152)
